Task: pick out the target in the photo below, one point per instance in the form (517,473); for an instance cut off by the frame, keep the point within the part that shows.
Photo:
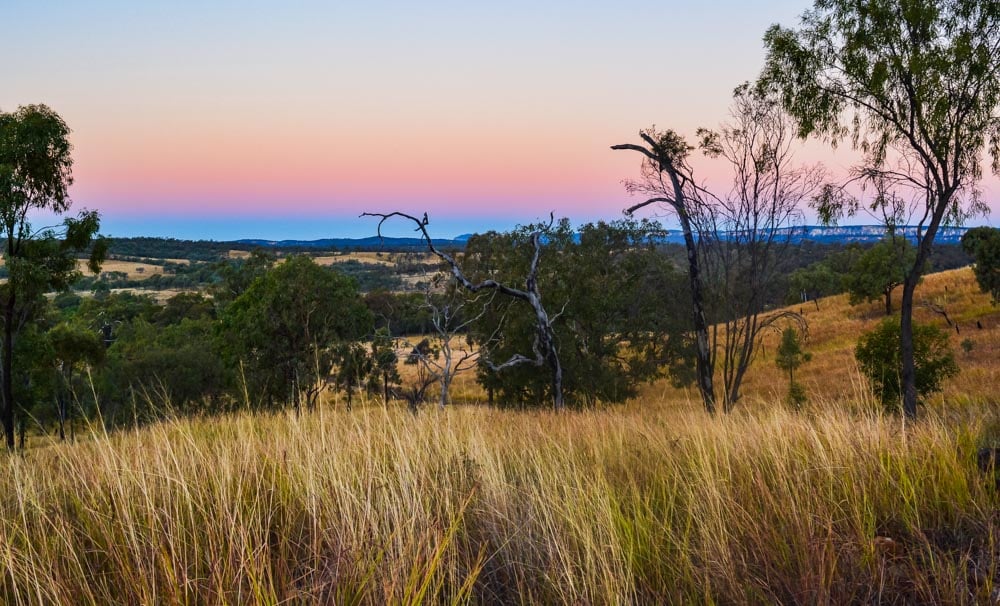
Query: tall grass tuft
(639,505)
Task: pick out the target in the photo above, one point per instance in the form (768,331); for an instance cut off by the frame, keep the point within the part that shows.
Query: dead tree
(450,317)
(544,346)
(734,241)
(668,179)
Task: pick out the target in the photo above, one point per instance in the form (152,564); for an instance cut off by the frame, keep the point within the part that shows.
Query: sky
(286,120)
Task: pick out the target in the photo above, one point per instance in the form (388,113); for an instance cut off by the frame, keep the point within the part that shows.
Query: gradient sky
(226,119)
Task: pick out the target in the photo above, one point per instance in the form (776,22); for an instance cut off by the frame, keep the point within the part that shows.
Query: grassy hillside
(652,502)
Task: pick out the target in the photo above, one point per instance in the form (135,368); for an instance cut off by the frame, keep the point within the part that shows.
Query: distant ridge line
(863,234)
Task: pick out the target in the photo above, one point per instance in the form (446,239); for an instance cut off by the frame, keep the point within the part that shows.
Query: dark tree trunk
(385,388)
(888,302)
(61,404)
(908,373)
(8,365)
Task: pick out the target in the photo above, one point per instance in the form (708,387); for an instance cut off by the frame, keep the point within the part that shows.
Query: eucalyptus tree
(915,86)
(35,175)
(983,244)
(735,242)
(285,326)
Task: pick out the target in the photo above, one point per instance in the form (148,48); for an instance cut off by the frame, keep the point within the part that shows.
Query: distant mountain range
(815,233)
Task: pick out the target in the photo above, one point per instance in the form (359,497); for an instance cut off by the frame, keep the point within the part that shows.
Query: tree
(354,365)
(915,86)
(236,275)
(735,243)
(286,322)
(878,354)
(35,175)
(616,328)
(983,245)
(452,315)
(789,357)
(72,347)
(544,347)
(814,281)
(385,362)
(668,179)
(748,233)
(879,270)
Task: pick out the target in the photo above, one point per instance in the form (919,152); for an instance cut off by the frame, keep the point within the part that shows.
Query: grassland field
(649,502)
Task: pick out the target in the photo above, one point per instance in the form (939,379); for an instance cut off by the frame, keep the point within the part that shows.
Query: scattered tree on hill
(983,244)
(813,282)
(35,174)
(789,357)
(879,270)
(878,354)
(735,243)
(668,179)
(544,348)
(282,328)
(916,87)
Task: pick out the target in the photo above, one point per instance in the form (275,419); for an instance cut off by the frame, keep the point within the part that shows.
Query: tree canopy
(915,86)
(35,174)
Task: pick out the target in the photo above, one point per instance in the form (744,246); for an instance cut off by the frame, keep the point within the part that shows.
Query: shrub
(878,355)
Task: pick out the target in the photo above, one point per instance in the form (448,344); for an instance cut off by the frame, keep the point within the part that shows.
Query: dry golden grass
(652,502)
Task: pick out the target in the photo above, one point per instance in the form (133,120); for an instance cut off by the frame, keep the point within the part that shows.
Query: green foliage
(790,354)
(815,281)
(355,366)
(879,270)
(789,357)
(797,397)
(384,360)
(878,356)
(236,276)
(157,370)
(35,175)
(615,328)
(983,244)
(284,324)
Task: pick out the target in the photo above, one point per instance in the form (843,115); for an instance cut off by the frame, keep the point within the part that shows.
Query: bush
(878,354)
(797,396)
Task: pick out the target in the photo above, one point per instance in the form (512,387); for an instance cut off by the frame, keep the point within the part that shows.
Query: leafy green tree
(185,306)
(73,346)
(284,325)
(35,175)
(983,245)
(915,86)
(354,367)
(155,370)
(616,330)
(879,270)
(878,354)
(236,275)
(789,357)
(815,281)
(385,361)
